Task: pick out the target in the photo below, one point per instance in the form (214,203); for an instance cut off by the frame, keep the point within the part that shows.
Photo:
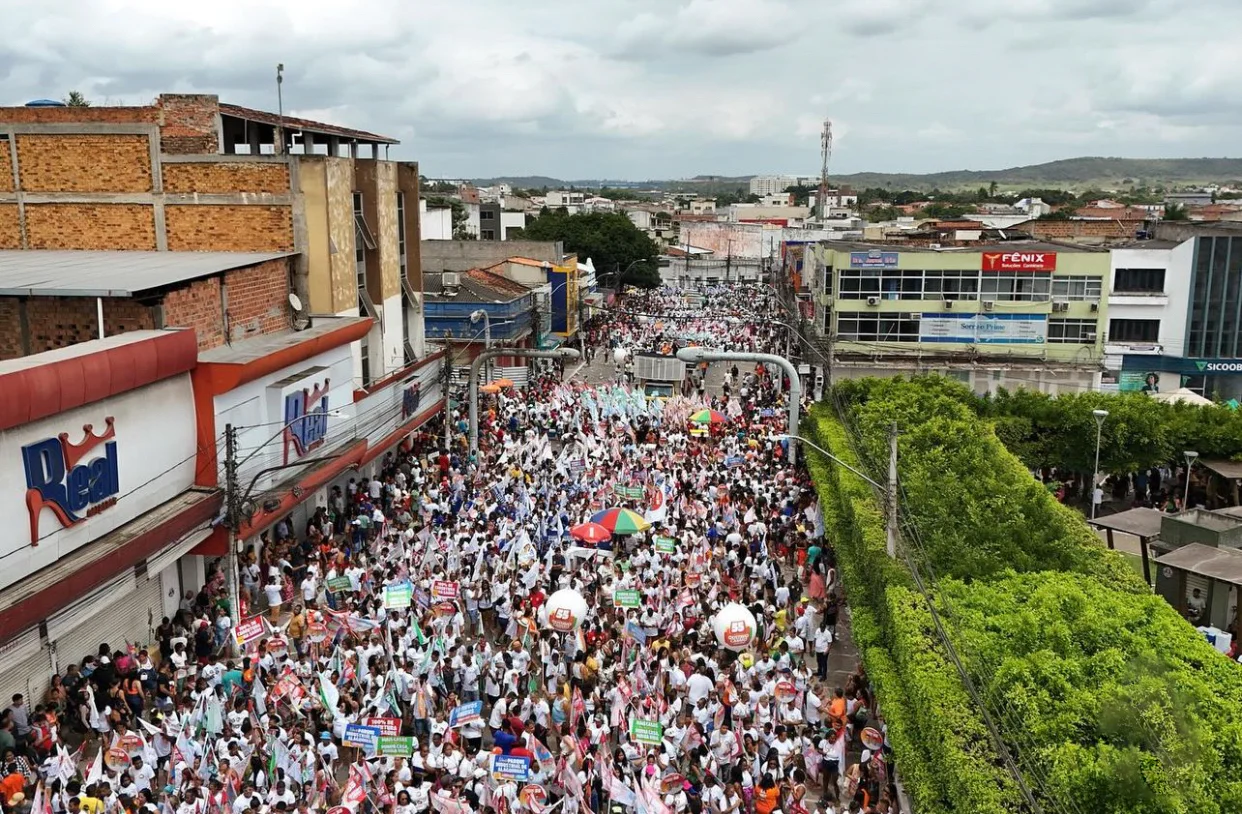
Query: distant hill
(1072,173)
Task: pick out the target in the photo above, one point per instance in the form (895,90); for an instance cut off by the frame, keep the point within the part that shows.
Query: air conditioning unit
(1095,307)
(948,305)
(873,301)
(1089,336)
(1060,305)
(450,279)
(988,305)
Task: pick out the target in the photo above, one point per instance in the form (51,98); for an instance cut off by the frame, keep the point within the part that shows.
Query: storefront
(299,425)
(1217,379)
(102,437)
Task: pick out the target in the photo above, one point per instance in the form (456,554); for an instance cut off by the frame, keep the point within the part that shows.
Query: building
(702,206)
(781,215)
(770,184)
(557,290)
(780,199)
(190,173)
(1022,314)
(435,223)
(572,201)
(495,222)
(455,298)
(54,299)
(1177,301)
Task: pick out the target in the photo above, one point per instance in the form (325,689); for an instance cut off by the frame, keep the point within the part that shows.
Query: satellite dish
(300,320)
(295,302)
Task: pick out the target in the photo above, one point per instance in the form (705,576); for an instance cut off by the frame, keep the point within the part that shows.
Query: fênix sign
(1019,261)
(70,479)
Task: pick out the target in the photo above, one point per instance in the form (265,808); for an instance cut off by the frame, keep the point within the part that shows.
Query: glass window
(401,232)
(1077,288)
(1016,286)
(1071,331)
(864,327)
(1138,281)
(1133,330)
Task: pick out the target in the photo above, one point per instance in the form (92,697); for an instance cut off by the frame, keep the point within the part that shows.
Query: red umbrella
(590,533)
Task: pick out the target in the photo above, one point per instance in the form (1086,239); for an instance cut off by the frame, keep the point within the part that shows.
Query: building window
(950,285)
(861,327)
(401,232)
(1133,330)
(1071,331)
(1023,286)
(488,234)
(365,345)
(828,281)
(487,214)
(1138,281)
(1077,288)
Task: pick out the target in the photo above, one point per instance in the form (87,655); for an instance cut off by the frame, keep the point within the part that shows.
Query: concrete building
(770,184)
(464,255)
(435,223)
(572,201)
(495,222)
(189,173)
(775,215)
(1021,314)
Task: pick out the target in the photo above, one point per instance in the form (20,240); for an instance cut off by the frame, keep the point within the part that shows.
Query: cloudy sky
(672,88)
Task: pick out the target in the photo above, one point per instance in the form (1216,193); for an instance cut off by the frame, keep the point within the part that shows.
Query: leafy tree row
(610,239)
(1111,700)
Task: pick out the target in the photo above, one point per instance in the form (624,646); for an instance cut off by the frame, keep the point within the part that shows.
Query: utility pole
(234,511)
(446,374)
(892,491)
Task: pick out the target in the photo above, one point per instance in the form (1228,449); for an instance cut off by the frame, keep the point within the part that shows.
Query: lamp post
(522,353)
(696,355)
(1100,415)
(475,316)
(889,491)
(1191,455)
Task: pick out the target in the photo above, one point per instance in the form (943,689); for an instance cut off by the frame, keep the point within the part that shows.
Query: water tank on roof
(45,103)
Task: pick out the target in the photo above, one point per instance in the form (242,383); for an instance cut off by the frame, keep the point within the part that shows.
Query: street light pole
(475,316)
(1100,415)
(889,492)
(522,353)
(696,355)
(1191,455)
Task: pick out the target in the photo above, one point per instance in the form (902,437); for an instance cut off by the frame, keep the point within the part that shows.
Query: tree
(611,240)
(801,193)
(76,99)
(1176,212)
(460,218)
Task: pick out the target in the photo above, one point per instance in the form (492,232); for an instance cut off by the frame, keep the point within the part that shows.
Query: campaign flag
(621,793)
(465,713)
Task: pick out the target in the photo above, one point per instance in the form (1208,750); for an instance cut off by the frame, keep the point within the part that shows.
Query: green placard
(397,597)
(629,492)
(394,745)
(651,732)
(627,599)
(666,545)
(339,584)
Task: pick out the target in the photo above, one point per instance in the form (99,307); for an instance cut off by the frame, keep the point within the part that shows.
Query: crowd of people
(457,634)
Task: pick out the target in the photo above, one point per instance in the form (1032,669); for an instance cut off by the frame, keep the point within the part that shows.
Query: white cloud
(667,88)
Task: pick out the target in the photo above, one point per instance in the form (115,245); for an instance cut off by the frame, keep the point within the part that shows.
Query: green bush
(1110,700)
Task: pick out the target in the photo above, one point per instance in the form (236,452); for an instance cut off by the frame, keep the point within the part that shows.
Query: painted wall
(153,446)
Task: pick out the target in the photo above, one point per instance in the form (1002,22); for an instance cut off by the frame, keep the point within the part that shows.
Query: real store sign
(72,480)
(984,329)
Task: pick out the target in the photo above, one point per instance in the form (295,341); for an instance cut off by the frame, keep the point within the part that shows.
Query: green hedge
(1114,702)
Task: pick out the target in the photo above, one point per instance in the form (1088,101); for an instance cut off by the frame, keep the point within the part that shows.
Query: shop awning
(42,594)
(1224,564)
(1226,469)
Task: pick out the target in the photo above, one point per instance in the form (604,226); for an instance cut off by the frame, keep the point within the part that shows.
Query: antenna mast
(825,144)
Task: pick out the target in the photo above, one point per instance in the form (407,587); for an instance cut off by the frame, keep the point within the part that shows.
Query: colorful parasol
(503,382)
(590,533)
(621,521)
(709,417)
(491,389)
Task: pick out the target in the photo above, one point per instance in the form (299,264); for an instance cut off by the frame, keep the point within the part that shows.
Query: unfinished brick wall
(188,124)
(228,228)
(58,322)
(6,166)
(84,163)
(226,178)
(79,115)
(91,226)
(1063,229)
(257,298)
(10,329)
(10,227)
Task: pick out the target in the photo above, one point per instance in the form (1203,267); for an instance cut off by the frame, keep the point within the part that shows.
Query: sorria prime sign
(1019,261)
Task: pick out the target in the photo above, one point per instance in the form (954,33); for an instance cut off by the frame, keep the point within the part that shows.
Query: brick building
(53,299)
(189,174)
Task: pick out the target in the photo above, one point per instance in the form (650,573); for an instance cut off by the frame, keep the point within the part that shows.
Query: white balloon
(566,610)
(734,626)
(619,355)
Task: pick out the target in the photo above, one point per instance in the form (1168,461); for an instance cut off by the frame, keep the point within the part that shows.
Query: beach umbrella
(592,533)
(621,521)
(491,389)
(709,417)
(503,382)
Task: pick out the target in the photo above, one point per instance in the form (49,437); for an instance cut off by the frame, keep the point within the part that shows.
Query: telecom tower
(825,144)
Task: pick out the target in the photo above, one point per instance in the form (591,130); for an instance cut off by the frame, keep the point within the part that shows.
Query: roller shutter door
(118,617)
(25,667)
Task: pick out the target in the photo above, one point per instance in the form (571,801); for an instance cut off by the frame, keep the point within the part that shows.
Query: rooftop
(477,285)
(25,273)
(1224,564)
(974,248)
(305,125)
(259,347)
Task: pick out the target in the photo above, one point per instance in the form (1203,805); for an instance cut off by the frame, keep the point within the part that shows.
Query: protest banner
(442,589)
(627,599)
(398,597)
(250,629)
(398,746)
(510,767)
(465,713)
(362,737)
(339,584)
(644,731)
(665,545)
(387,726)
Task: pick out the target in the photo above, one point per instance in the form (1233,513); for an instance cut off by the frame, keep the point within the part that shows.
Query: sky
(656,89)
